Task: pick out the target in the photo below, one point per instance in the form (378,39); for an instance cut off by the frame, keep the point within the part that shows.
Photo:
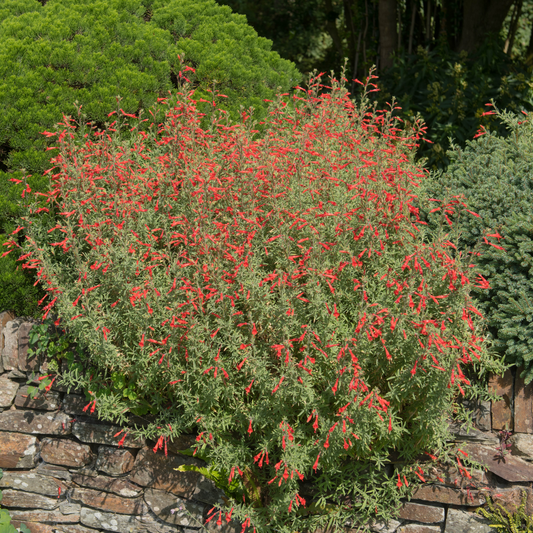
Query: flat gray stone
(122,487)
(73,404)
(473,435)
(123,523)
(32,482)
(45,401)
(55,423)
(8,391)
(103,434)
(156,471)
(70,508)
(379,526)
(481,414)
(427,514)
(54,471)
(418,528)
(17,450)
(65,452)
(511,468)
(449,495)
(174,510)
(16,374)
(10,344)
(26,500)
(462,522)
(105,501)
(5,317)
(114,461)
(451,475)
(522,446)
(74,528)
(55,516)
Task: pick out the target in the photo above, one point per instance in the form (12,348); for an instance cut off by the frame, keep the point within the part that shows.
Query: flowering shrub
(89,52)
(276,294)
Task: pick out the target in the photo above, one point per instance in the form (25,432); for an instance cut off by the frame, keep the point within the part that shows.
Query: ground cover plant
(90,52)
(503,521)
(494,175)
(277,294)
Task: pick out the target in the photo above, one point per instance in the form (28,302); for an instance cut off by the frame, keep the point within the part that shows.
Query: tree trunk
(529,51)
(513,27)
(414,9)
(331,27)
(451,19)
(350,30)
(388,33)
(481,18)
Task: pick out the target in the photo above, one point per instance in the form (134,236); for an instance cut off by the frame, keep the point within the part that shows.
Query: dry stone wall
(64,472)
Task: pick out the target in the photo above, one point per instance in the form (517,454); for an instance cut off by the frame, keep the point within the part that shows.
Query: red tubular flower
(315,466)
(249,388)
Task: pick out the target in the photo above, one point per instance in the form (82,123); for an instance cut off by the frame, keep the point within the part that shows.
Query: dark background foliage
(442,59)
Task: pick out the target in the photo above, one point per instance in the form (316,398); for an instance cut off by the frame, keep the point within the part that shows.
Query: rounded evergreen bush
(494,177)
(91,51)
(276,295)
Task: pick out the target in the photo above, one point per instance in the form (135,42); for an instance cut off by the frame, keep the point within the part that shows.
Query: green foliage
(49,344)
(91,51)
(493,174)
(19,292)
(5,519)
(450,90)
(219,478)
(278,295)
(505,522)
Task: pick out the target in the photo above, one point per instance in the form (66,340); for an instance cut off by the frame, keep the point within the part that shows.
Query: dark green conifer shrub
(18,293)
(90,51)
(495,177)
(277,295)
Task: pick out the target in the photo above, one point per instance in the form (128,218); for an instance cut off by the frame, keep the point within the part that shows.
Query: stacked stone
(64,472)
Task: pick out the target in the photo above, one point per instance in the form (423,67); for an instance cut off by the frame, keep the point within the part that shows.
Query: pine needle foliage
(504,521)
(276,294)
(494,177)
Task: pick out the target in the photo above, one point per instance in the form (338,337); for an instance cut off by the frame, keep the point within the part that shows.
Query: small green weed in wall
(5,519)
(503,521)
(48,344)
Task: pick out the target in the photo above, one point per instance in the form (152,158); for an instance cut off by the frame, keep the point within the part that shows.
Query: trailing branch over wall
(64,470)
